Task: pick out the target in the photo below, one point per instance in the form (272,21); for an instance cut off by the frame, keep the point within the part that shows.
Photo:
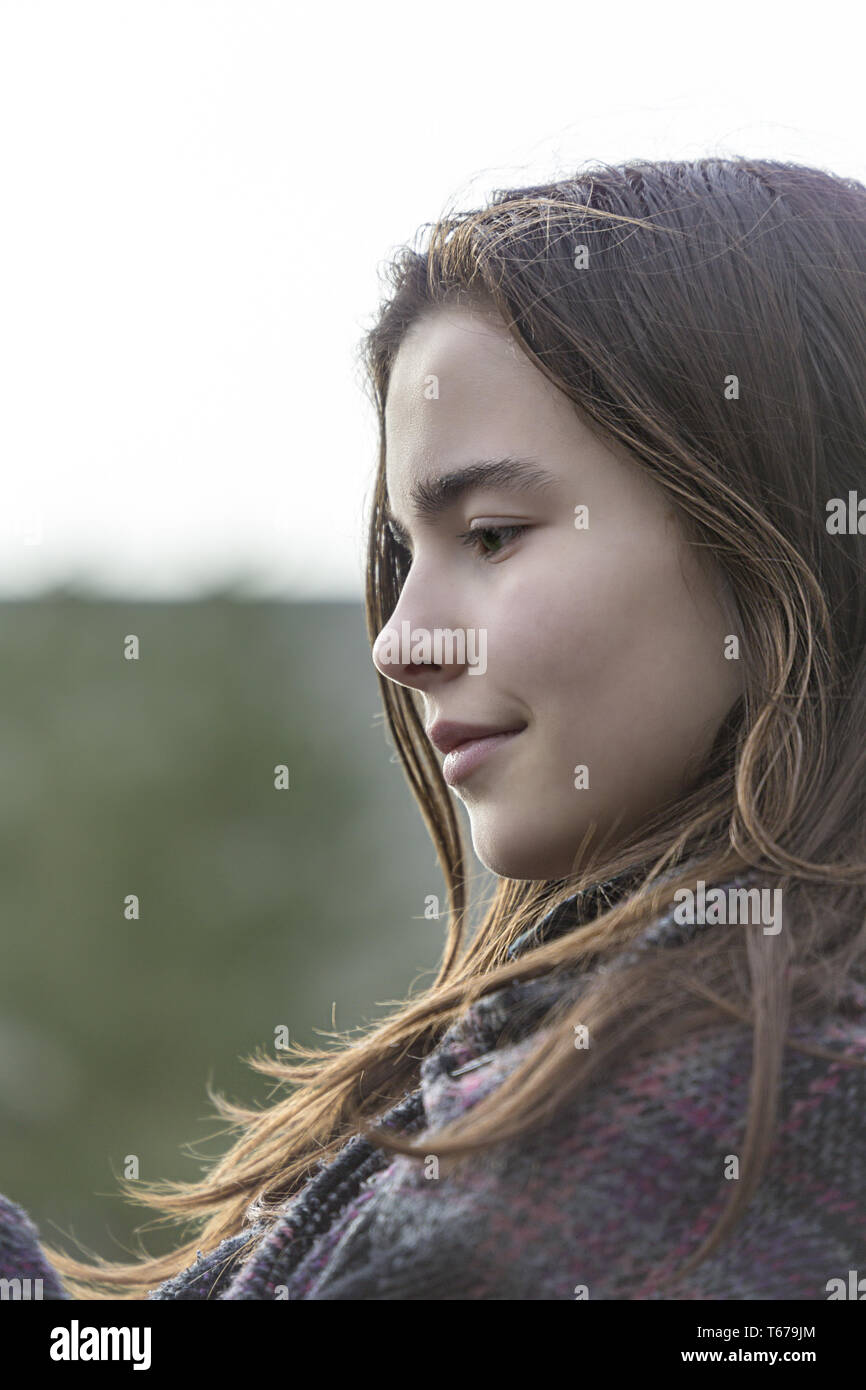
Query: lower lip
(461,761)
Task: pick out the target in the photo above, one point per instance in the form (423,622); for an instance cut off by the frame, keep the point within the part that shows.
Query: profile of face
(594,633)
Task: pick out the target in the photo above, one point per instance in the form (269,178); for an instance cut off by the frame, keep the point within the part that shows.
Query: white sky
(196,199)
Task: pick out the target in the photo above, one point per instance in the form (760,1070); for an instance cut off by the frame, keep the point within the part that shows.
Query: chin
(512,854)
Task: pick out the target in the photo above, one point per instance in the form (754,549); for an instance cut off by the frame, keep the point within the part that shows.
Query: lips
(446,734)
(469,754)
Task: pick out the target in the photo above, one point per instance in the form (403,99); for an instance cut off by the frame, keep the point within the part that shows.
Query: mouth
(465,747)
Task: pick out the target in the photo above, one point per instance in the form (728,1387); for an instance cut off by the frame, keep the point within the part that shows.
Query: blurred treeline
(258,907)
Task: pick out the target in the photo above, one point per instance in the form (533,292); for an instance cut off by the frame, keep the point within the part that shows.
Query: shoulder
(621,1182)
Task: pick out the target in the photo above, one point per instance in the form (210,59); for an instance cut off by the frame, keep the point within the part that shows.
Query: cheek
(572,620)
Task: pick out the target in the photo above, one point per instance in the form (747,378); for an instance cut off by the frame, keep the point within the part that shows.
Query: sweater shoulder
(622,1183)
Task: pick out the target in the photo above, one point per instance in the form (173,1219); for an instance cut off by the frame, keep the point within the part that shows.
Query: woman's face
(599,634)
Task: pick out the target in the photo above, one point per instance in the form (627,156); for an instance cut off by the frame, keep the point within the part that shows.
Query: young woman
(616,601)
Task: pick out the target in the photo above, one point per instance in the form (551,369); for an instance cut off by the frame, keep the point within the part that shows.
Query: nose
(413,652)
(406,655)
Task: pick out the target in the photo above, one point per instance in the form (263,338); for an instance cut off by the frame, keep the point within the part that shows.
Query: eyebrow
(432,496)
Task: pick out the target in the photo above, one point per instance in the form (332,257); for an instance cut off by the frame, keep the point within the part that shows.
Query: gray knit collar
(476,1030)
(577,909)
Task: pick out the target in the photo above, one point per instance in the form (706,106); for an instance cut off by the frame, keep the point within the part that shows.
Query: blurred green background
(258,907)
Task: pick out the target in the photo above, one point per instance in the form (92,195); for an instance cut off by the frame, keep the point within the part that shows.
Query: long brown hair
(698,275)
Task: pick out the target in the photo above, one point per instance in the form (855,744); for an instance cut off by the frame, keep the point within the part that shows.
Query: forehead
(461,387)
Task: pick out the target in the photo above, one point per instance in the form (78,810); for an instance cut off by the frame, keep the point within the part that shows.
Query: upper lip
(447,735)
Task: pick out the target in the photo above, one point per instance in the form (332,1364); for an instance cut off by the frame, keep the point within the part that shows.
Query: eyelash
(470,539)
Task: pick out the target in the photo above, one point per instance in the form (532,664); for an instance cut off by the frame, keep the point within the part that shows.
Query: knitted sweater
(618,1188)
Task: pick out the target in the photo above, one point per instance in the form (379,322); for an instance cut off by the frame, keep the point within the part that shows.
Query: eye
(501,534)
